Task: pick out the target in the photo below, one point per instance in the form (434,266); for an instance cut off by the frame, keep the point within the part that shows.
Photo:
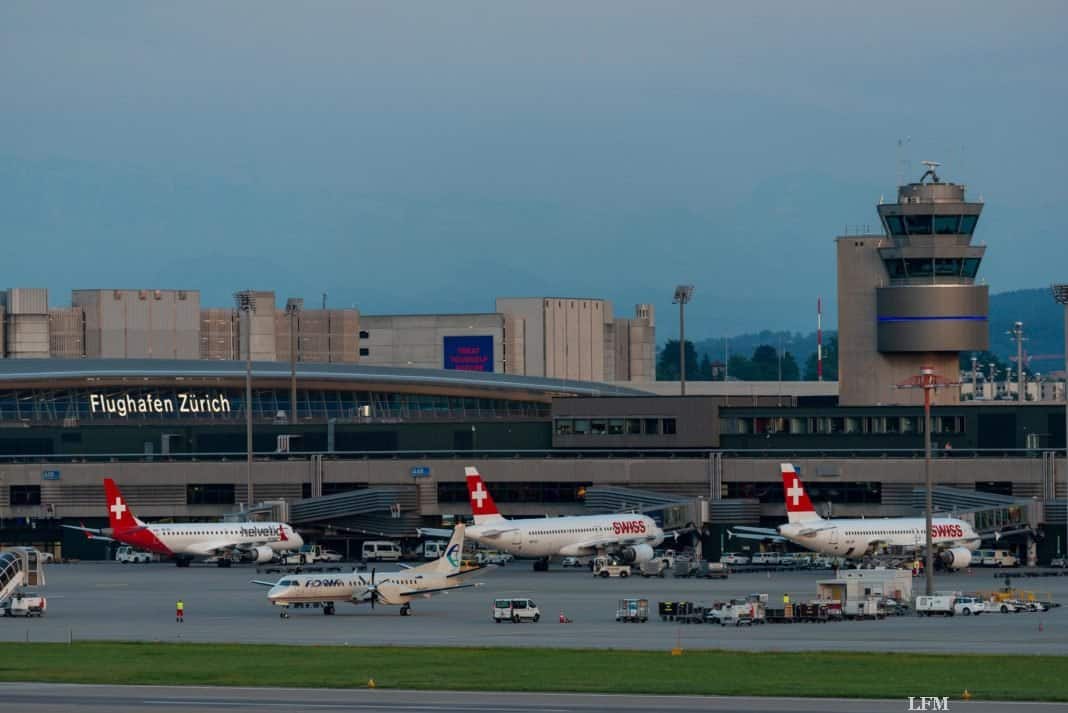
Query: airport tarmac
(63,698)
(111,601)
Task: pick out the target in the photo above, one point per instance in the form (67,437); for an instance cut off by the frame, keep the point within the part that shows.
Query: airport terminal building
(365,433)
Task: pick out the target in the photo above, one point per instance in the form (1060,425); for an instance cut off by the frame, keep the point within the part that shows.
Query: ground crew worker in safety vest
(786,599)
(179,614)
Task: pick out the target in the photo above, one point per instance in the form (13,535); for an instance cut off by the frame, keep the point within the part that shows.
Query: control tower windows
(895,224)
(919,267)
(946,224)
(918,224)
(947,266)
(971,266)
(895,269)
(967,224)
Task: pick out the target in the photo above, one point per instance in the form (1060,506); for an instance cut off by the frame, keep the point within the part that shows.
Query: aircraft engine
(636,554)
(957,557)
(262,554)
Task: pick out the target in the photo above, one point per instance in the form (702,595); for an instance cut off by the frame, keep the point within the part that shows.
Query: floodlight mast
(930,382)
(1060,294)
(246,305)
(683,294)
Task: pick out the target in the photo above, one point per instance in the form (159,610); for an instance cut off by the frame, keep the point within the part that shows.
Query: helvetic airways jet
(954,540)
(629,537)
(392,588)
(186,541)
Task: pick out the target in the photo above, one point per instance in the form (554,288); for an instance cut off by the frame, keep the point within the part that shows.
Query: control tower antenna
(931,166)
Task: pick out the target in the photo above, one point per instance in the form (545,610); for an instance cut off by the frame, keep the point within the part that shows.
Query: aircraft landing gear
(328,609)
(284,614)
(541,565)
(406,610)
(182,562)
(224,562)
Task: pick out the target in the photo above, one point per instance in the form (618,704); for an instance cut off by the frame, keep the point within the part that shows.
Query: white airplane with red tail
(183,542)
(954,540)
(631,538)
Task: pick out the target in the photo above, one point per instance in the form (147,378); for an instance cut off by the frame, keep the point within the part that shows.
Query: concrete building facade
(139,324)
(421,340)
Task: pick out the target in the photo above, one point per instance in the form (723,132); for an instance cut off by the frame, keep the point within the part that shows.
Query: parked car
(733,558)
(969,606)
(766,558)
(515,610)
(1061,562)
(573,562)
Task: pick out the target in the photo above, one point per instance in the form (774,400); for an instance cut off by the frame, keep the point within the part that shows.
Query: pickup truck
(309,554)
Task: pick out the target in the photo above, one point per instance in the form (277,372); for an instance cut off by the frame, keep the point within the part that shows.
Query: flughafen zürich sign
(151,404)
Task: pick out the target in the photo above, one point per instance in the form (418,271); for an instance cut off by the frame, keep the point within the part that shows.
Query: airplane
(391,588)
(630,537)
(854,538)
(183,542)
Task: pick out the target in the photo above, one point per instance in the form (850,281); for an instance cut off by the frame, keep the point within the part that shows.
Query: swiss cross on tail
(119,515)
(798,506)
(482,505)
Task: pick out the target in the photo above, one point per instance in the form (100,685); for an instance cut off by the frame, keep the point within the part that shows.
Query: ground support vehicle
(736,613)
(634,611)
(604,567)
(515,610)
(866,608)
(25,603)
(682,612)
(653,568)
(484,557)
(129,555)
(711,570)
(941,604)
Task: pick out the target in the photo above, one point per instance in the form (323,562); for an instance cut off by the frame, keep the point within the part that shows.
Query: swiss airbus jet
(954,540)
(630,537)
(186,541)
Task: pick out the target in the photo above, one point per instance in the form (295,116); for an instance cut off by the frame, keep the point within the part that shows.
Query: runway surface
(55,698)
(110,601)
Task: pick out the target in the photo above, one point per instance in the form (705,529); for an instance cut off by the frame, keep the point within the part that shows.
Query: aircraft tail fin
(482,505)
(798,506)
(120,517)
(449,563)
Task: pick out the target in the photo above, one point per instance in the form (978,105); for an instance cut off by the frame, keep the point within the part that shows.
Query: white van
(995,558)
(381,551)
(515,610)
(434,549)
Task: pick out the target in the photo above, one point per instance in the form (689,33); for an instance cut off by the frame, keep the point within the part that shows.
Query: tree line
(763,365)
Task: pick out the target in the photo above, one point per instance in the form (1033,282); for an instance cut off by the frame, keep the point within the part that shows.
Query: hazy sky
(426,157)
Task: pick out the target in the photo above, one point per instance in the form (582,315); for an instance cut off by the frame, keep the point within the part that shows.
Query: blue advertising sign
(469,353)
(49,475)
(421,471)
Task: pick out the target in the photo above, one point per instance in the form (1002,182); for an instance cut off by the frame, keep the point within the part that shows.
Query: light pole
(683,294)
(975,378)
(1060,293)
(1017,333)
(929,382)
(293,307)
(246,305)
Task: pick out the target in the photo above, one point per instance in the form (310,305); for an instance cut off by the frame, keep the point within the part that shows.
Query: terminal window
(25,495)
(210,494)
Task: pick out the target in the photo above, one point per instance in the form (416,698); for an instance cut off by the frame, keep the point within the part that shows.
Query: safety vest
(181,605)
(786,599)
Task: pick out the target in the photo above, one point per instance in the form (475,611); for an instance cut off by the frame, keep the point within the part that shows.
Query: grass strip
(848,675)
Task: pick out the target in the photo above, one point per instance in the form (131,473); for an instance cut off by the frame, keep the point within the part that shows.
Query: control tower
(908,298)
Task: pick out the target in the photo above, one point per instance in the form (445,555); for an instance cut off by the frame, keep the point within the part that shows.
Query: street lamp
(929,382)
(1060,293)
(246,305)
(293,307)
(683,294)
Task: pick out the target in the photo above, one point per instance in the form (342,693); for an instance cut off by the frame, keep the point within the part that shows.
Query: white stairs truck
(21,567)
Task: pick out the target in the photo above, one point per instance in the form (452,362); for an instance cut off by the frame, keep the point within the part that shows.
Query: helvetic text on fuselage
(150,404)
